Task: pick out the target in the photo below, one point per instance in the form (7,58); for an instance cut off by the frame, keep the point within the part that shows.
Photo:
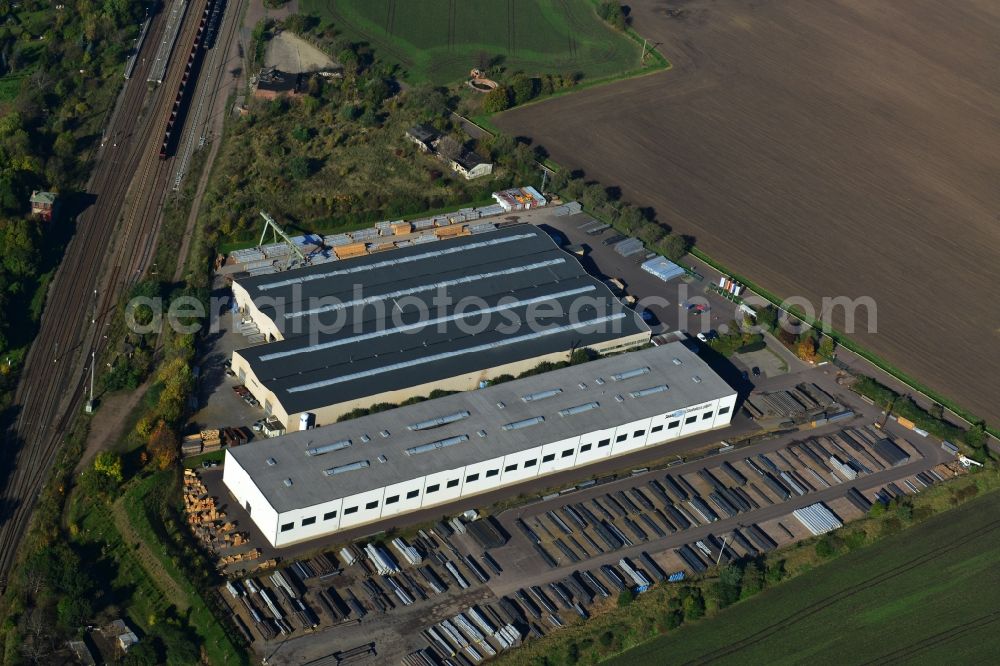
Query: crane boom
(275,228)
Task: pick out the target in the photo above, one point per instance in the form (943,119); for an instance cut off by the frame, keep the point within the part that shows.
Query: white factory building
(317,482)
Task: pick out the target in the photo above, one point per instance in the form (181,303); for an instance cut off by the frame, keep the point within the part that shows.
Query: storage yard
(478,588)
(821,149)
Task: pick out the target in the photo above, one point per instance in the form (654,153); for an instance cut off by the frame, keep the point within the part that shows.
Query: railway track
(113,245)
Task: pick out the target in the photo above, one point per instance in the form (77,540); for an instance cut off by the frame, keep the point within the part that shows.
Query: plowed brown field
(840,148)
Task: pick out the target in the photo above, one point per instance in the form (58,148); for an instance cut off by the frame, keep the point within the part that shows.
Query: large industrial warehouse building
(316,482)
(447,315)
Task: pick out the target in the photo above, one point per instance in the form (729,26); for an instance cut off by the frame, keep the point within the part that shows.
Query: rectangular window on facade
(723,410)
(492,472)
(510,468)
(549,457)
(673,424)
(586,447)
(412,494)
(329,515)
(287,526)
(604,442)
(392,500)
(691,419)
(620,438)
(349,510)
(371,505)
(453,483)
(706,415)
(471,478)
(656,428)
(639,433)
(530,463)
(567,453)
(433,488)
(308,521)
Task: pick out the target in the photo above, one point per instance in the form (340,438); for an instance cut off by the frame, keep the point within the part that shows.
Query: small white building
(317,482)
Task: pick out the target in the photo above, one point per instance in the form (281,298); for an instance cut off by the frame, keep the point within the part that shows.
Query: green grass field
(439,41)
(925,596)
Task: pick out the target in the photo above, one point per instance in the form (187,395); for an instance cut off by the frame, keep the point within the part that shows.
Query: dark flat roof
(421,314)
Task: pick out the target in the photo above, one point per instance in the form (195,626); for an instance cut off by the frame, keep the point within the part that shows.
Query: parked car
(209,464)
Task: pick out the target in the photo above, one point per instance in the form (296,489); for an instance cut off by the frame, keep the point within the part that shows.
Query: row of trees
(931,420)
(607,204)
(685,603)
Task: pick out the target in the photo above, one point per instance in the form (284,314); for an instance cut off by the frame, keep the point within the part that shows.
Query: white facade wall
(473,479)
(250,498)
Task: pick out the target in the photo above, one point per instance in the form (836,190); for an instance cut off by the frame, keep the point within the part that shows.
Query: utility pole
(89,408)
(721,550)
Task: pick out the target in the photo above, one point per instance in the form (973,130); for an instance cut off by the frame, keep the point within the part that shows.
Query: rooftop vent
(599,381)
(288,483)
(517,425)
(629,374)
(677,361)
(579,409)
(619,398)
(384,433)
(582,385)
(382,459)
(271,462)
(481,433)
(328,448)
(365,438)
(541,395)
(350,467)
(696,379)
(439,444)
(649,391)
(439,421)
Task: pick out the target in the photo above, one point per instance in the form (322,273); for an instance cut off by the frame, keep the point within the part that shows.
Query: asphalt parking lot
(219,406)
(667,301)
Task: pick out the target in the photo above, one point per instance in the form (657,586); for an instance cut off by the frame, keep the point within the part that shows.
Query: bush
(497,100)
(626,597)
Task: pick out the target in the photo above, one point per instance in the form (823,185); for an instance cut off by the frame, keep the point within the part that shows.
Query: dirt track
(844,148)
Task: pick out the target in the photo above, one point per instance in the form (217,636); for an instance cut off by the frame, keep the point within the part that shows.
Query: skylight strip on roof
(649,391)
(393,262)
(439,444)
(629,374)
(579,409)
(350,467)
(555,330)
(465,314)
(333,307)
(440,420)
(524,423)
(541,395)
